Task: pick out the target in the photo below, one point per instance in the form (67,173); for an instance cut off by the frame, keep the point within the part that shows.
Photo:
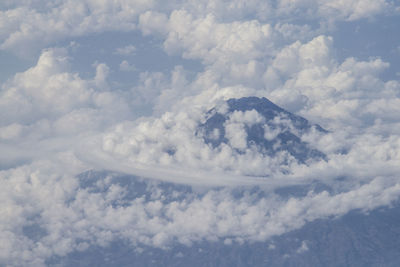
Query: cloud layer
(57,122)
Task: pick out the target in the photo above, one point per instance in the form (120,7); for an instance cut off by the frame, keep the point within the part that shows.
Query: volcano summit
(259,124)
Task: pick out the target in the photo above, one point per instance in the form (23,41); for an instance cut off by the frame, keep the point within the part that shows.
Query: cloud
(41,24)
(125,66)
(57,122)
(316,85)
(32,94)
(49,90)
(152,22)
(125,51)
(47,107)
(59,219)
(189,34)
(40,27)
(354,10)
(308,79)
(303,248)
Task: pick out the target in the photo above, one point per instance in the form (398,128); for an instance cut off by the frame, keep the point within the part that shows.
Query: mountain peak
(252,102)
(258,124)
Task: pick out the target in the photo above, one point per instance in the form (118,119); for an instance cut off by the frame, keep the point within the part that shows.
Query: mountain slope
(268,128)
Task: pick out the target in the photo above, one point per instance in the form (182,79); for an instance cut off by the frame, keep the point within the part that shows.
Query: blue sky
(93,85)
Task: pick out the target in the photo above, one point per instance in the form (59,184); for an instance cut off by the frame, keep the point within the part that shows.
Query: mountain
(278,130)
(137,211)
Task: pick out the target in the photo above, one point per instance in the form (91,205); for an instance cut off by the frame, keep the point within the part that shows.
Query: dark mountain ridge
(287,126)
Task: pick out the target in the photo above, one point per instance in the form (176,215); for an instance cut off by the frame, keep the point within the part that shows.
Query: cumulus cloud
(353,10)
(56,123)
(316,85)
(40,27)
(40,23)
(47,102)
(125,66)
(34,93)
(49,91)
(209,40)
(60,219)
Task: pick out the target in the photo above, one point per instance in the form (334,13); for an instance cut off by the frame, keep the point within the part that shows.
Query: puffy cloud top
(190,164)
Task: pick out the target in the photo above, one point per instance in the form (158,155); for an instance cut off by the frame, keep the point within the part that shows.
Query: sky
(117,85)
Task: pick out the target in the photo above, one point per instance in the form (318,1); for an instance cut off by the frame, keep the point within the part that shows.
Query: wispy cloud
(126,51)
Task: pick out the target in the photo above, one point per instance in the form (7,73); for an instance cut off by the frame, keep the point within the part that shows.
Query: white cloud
(249,117)
(332,10)
(125,51)
(102,72)
(303,248)
(152,22)
(40,23)
(49,91)
(210,41)
(354,10)
(236,135)
(43,90)
(71,219)
(331,93)
(125,66)
(11,131)
(55,124)
(40,27)
(43,105)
